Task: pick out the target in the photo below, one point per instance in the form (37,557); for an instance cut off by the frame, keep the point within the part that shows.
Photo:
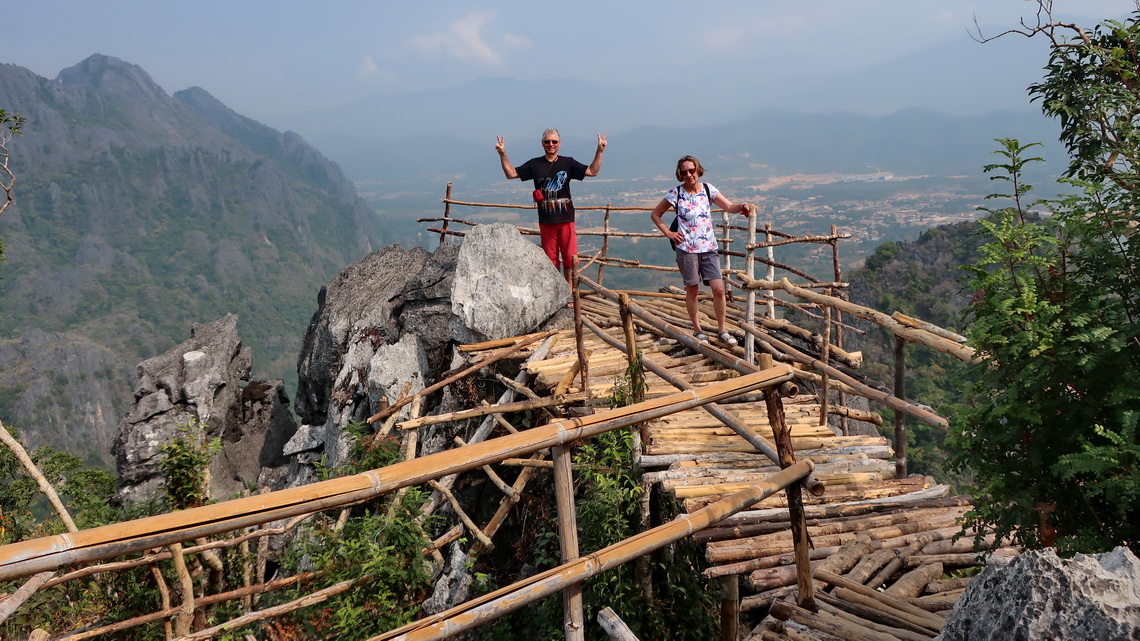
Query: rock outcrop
(203,379)
(1039,595)
(388,324)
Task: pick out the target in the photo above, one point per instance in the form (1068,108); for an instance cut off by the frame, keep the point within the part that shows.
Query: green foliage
(629,386)
(1055,316)
(24,512)
(1092,87)
(185,466)
(1113,459)
(379,550)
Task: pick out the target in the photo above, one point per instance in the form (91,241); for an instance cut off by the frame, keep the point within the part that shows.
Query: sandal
(727,338)
(701,338)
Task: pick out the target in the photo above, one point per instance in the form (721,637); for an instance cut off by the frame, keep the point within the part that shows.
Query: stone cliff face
(204,379)
(139,214)
(50,379)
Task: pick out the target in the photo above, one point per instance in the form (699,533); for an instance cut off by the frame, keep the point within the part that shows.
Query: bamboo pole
(929,327)
(167,612)
(847,630)
(738,426)
(583,355)
(475,412)
(900,418)
(884,602)
(795,503)
(446,213)
(13,601)
(573,616)
(41,481)
(497,356)
(893,402)
(33,556)
(500,602)
(614,626)
(729,608)
(910,334)
(750,296)
(185,616)
(471,527)
(605,242)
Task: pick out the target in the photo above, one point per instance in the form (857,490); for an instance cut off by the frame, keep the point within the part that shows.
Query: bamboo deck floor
(894,537)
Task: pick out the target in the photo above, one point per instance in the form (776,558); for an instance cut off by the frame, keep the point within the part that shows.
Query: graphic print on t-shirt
(554,184)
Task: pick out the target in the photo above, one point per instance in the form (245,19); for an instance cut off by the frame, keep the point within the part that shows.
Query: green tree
(1046,431)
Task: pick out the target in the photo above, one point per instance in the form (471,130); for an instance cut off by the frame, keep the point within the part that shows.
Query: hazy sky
(271,60)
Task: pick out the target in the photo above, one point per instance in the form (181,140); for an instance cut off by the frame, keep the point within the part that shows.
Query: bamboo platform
(880,544)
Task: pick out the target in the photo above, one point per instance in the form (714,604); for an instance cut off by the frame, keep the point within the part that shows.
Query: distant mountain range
(445,134)
(913,141)
(138,214)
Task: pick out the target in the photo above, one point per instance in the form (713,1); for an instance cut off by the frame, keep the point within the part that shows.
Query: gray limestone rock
(204,379)
(1039,595)
(389,323)
(504,285)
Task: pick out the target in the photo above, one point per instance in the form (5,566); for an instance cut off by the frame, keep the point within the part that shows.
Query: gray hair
(551,130)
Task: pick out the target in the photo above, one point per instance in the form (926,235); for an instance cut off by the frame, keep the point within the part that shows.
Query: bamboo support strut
(497,356)
(30,467)
(503,408)
(500,602)
(910,334)
(49,553)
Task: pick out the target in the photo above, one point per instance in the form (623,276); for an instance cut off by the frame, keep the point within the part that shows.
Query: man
(552,173)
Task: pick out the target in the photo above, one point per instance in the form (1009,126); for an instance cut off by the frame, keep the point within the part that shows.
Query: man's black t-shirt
(553,178)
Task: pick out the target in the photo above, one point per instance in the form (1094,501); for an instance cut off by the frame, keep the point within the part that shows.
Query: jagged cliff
(138,214)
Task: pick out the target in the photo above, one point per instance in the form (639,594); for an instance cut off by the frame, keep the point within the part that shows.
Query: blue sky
(273,60)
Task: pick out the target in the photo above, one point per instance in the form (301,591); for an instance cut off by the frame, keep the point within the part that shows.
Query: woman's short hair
(696,163)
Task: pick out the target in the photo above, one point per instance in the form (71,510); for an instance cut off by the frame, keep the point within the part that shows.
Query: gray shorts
(697,267)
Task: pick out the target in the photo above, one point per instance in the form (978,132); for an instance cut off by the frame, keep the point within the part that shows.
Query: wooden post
(771,270)
(573,617)
(582,353)
(729,607)
(783,438)
(631,356)
(900,418)
(750,307)
(446,214)
(825,356)
(185,616)
(839,322)
(605,243)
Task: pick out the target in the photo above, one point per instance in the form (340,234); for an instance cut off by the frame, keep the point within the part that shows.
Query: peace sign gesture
(501,144)
(602,142)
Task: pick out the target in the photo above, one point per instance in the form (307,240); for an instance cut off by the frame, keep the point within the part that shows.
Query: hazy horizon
(287,63)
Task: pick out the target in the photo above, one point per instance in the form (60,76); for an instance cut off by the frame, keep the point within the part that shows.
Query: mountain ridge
(139,214)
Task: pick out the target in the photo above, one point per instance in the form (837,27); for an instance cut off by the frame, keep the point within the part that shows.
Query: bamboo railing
(832,303)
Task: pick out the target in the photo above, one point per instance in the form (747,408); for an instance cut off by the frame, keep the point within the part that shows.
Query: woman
(695,240)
